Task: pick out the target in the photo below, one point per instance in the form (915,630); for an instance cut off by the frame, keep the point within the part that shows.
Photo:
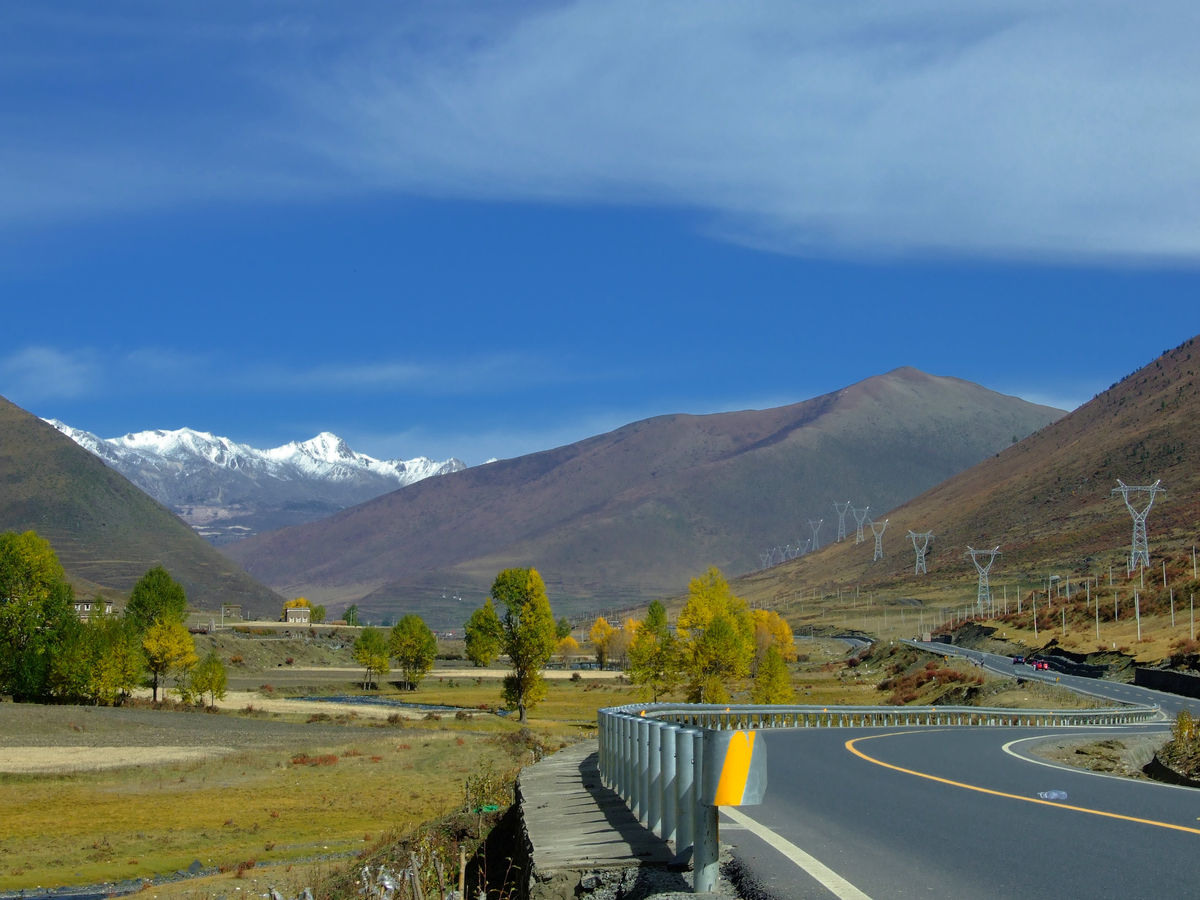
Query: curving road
(955,812)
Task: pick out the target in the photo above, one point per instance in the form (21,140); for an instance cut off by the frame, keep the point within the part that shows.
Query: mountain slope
(632,514)
(107,533)
(227,490)
(1047,502)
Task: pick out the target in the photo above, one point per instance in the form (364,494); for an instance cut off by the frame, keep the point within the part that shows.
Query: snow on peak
(325,457)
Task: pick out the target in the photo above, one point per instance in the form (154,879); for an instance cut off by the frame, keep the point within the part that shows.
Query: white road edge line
(829,879)
(1012,750)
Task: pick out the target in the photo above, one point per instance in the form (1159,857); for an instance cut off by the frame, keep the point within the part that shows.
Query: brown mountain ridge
(1047,502)
(626,516)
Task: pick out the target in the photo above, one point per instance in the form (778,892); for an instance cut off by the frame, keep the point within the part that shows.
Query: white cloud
(1053,129)
(35,374)
(1001,128)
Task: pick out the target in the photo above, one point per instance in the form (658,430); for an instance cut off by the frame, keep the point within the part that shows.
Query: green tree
(483,634)
(209,677)
(36,612)
(562,628)
(528,635)
(654,659)
(371,652)
(317,616)
(70,671)
(169,650)
(717,638)
(117,660)
(772,683)
(157,597)
(414,647)
(350,616)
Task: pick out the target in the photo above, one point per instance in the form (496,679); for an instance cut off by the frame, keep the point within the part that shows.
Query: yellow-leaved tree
(771,630)
(601,635)
(169,650)
(566,648)
(716,633)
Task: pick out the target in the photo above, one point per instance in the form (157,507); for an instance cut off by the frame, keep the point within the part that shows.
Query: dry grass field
(240,792)
(273,791)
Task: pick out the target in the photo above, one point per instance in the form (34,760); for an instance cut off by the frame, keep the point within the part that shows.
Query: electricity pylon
(815,525)
(985,591)
(860,516)
(1140,551)
(878,529)
(923,537)
(841,511)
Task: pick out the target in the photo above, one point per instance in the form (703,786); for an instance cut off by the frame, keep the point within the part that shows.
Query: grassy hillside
(107,533)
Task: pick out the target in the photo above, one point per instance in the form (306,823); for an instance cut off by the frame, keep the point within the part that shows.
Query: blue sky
(487,229)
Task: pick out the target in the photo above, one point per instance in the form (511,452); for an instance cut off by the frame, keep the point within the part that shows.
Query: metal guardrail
(654,755)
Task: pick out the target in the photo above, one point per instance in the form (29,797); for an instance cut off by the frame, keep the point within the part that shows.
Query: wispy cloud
(39,372)
(1009,128)
(36,374)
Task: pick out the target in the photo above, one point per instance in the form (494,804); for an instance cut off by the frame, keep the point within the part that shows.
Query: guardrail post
(642,770)
(603,721)
(685,788)
(627,759)
(706,843)
(667,780)
(654,777)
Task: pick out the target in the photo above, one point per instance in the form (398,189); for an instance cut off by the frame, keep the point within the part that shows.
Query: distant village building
(85,609)
(298,615)
(231,611)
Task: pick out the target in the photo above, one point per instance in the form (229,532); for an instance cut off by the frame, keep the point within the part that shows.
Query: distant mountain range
(107,532)
(227,491)
(624,517)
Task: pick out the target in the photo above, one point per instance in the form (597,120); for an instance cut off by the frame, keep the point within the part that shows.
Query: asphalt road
(956,812)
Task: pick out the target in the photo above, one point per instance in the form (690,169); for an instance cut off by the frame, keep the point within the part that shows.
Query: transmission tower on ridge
(920,544)
(860,516)
(1141,545)
(985,591)
(815,525)
(841,511)
(878,529)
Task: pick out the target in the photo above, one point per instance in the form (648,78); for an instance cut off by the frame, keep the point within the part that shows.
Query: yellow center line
(850,745)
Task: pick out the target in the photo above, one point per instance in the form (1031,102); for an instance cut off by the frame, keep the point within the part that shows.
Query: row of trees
(718,641)
(47,653)
(410,642)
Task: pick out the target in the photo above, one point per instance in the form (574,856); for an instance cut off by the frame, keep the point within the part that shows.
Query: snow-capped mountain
(226,490)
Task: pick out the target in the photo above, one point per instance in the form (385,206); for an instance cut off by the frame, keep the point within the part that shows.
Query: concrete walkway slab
(573,822)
